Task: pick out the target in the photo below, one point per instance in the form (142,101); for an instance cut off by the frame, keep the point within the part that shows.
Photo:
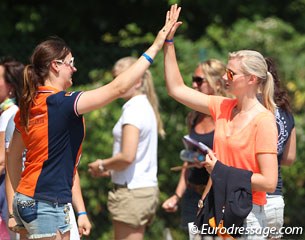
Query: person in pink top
(245,131)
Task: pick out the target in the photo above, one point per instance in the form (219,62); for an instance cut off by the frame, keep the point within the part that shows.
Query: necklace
(236,111)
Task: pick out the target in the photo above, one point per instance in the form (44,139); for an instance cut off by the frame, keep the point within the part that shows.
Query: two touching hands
(170,27)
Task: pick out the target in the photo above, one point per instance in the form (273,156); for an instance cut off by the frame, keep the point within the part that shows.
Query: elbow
(288,161)
(119,88)
(172,92)
(271,188)
(126,160)
(271,185)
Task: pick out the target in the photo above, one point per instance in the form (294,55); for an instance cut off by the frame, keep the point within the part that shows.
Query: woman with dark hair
(11,72)
(286,151)
(50,125)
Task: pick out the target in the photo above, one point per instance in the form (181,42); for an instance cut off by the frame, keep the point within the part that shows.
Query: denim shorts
(39,217)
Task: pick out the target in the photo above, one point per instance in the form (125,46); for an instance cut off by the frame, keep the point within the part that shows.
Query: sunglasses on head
(198,80)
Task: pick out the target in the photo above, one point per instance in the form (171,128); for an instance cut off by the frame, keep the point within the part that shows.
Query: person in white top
(133,165)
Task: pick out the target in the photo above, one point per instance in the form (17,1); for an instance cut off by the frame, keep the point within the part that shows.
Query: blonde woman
(245,130)
(207,78)
(133,165)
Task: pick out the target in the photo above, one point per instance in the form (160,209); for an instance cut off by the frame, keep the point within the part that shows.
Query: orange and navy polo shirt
(53,142)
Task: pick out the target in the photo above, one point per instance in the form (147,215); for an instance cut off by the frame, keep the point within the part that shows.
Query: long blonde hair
(213,70)
(253,63)
(147,88)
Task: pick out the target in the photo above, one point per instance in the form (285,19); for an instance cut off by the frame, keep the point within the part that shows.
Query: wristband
(81,213)
(148,58)
(176,194)
(169,40)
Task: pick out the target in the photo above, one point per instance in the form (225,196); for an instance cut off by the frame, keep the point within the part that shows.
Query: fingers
(171,17)
(80,231)
(167,17)
(86,232)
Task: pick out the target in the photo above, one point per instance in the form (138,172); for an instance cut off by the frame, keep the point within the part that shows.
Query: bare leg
(123,231)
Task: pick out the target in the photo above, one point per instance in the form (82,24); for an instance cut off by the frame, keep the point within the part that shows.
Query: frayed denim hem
(37,236)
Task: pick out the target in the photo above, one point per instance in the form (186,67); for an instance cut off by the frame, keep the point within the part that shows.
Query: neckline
(244,127)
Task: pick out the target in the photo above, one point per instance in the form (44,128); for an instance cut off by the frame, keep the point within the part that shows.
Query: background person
(286,148)
(207,78)
(133,165)
(11,73)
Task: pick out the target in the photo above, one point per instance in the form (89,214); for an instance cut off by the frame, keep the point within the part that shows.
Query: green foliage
(101,34)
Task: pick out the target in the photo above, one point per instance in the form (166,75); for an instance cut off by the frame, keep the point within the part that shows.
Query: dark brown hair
(281,98)
(37,72)
(13,75)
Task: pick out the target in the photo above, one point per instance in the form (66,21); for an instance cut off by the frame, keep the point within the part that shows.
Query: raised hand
(172,16)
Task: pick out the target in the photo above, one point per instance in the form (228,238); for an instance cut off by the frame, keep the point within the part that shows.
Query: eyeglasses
(69,63)
(198,80)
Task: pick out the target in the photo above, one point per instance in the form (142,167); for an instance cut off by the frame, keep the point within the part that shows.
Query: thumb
(86,231)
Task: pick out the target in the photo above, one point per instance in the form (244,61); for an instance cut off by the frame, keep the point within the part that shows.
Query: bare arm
(100,97)
(174,81)
(266,180)
(170,204)
(13,165)
(14,160)
(84,225)
(120,161)
(2,152)
(289,154)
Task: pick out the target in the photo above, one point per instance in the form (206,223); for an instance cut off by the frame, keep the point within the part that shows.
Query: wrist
(169,41)
(177,196)
(11,215)
(101,166)
(81,213)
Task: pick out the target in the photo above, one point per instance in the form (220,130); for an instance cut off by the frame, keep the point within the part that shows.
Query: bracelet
(148,58)
(11,215)
(81,213)
(176,194)
(101,166)
(169,40)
